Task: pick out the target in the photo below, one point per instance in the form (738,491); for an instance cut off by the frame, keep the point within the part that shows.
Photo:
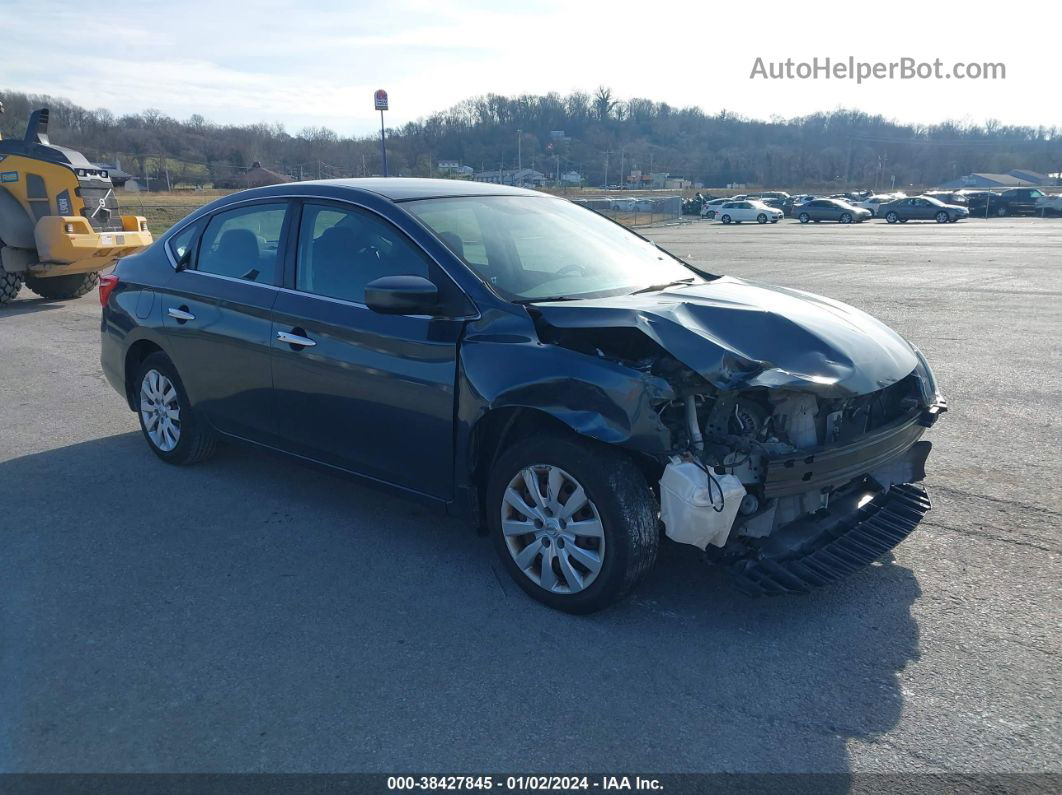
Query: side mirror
(402,295)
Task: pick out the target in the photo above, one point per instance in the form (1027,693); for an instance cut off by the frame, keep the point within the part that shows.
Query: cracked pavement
(250,614)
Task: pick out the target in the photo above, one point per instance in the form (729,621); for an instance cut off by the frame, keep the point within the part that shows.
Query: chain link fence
(635,210)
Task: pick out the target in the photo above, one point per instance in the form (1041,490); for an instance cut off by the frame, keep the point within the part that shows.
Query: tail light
(107,284)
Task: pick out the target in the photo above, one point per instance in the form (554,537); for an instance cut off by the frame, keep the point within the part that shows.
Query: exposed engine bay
(794,438)
(793,451)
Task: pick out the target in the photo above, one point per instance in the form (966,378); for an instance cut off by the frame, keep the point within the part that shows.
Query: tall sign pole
(380,103)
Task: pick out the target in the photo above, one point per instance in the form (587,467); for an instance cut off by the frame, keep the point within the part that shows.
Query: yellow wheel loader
(59,220)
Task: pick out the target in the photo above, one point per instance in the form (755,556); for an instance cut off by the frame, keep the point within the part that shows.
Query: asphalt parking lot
(249,614)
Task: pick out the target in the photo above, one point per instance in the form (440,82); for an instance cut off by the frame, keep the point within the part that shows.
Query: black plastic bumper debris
(868,534)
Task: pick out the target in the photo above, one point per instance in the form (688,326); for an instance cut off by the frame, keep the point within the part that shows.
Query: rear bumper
(851,543)
(82,249)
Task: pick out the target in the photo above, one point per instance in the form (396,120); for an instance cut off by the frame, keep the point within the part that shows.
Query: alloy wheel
(552,529)
(160,410)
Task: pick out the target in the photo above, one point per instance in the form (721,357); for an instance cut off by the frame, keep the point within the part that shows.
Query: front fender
(508,367)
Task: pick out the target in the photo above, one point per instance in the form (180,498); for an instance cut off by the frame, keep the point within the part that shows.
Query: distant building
(255,177)
(1015,178)
(524,177)
(453,168)
(1035,177)
(572,178)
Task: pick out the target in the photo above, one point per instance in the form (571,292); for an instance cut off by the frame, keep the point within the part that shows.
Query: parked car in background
(872,203)
(772,198)
(838,210)
(789,205)
(517,360)
(921,208)
(948,197)
(1016,201)
(977,200)
(748,210)
(712,206)
(1050,205)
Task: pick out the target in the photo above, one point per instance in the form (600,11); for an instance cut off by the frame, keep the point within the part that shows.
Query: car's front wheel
(891,217)
(725,219)
(942,217)
(573,521)
(174,432)
(761,218)
(804,218)
(846,218)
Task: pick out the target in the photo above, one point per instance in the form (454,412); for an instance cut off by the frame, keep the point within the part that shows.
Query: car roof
(400,188)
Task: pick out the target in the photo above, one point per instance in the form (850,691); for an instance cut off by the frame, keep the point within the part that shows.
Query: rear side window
(182,243)
(244,243)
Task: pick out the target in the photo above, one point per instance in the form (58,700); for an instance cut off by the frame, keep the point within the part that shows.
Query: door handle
(181,315)
(295,339)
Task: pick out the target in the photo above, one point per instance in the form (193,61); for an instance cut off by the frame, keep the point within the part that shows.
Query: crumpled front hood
(737,333)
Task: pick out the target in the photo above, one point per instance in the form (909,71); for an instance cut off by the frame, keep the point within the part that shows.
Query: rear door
(367,392)
(217,316)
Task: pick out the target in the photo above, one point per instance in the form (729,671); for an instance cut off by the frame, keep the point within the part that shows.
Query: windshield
(530,248)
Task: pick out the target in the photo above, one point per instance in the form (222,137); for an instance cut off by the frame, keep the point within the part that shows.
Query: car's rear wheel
(761,218)
(725,219)
(173,429)
(573,521)
(891,217)
(942,217)
(1001,211)
(846,218)
(804,218)
(62,288)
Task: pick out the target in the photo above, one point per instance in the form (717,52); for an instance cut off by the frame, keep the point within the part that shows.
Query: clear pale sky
(318,63)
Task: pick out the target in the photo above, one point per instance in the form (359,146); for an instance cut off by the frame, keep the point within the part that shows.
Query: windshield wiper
(545,299)
(652,288)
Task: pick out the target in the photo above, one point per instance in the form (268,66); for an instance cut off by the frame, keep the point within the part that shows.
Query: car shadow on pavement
(249,613)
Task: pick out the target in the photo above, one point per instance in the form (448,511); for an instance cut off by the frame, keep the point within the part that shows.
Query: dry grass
(163,210)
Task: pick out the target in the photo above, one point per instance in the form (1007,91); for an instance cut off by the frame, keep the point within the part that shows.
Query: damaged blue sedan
(560,381)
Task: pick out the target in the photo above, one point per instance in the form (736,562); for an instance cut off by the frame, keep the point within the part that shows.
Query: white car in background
(1047,205)
(872,203)
(748,210)
(710,208)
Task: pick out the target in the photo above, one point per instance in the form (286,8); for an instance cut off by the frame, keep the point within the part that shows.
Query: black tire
(624,504)
(62,288)
(891,217)
(1001,211)
(846,218)
(804,218)
(761,218)
(710,215)
(943,217)
(725,219)
(197,440)
(10,284)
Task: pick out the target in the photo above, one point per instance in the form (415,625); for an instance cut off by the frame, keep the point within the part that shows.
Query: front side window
(531,248)
(244,243)
(342,250)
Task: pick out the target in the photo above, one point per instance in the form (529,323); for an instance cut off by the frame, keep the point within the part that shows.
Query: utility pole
(607,153)
(519,150)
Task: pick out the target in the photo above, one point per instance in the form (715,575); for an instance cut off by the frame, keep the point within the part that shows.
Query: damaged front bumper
(847,538)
